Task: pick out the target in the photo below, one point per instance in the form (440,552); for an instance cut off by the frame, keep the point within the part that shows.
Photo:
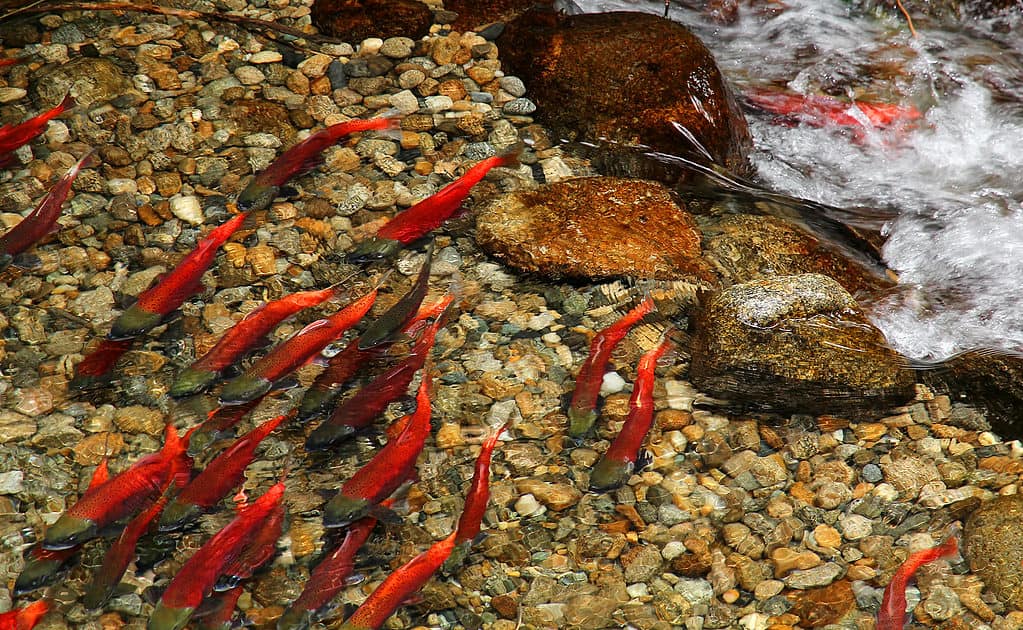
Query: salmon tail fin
(390,125)
(67,103)
(510,156)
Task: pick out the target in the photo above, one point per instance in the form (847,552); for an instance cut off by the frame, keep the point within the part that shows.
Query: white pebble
(11,482)
(121,185)
(612,383)
(11,94)
(672,550)
(57,132)
(637,590)
(370,46)
(404,101)
(987,438)
(266,56)
(187,208)
(527,505)
(755,621)
(437,104)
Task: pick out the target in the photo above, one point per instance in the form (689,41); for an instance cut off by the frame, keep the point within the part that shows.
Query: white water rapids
(956,179)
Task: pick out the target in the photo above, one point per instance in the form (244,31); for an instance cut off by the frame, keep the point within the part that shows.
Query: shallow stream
(954,178)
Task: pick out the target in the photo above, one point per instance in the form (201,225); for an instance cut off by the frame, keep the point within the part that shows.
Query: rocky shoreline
(794,514)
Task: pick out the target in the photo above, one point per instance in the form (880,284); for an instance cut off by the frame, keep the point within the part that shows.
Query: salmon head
(133,322)
(609,474)
(256,196)
(176,515)
(374,249)
(344,510)
(69,531)
(191,382)
(244,388)
(165,618)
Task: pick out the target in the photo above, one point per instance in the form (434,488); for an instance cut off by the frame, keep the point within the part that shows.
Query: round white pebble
(187,208)
(527,505)
(612,384)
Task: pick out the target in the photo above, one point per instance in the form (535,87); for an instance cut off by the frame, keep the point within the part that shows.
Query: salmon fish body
(819,111)
(121,495)
(582,410)
(225,472)
(619,460)
(42,220)
(26,617)
(427,215)
(96,367)
(384,328)
(257,552)
(345,364)
(41,566)
(328,578)
(388,469)
(479,491)
(181,283)
(218,424)
(368,403)
(403,582)
(197,577)
(201,374)
(216,612)
(302,157)
(295,351)
(14,136)
(892,615)
(119,556)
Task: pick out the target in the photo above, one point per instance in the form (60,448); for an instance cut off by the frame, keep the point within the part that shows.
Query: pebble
(612,383)
(519,107)
(266,56)
(527,505)
(512,85)
(437,104)
(854,526)
(811,578)
(188,208)
(11,94)
(12,482)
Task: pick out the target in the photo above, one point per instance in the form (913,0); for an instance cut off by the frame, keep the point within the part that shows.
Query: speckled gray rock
(796,344)
(991,544)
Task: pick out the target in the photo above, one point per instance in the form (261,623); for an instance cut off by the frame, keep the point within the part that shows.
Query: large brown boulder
(625,77)
(795,344)
(991,543)
(593,228)
(355,20)
(473,14)
(992,380)
(745,247)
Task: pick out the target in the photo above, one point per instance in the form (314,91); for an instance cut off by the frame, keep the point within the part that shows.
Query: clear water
(956,179)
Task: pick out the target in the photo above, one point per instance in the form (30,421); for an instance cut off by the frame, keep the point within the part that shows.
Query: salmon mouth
(68,532)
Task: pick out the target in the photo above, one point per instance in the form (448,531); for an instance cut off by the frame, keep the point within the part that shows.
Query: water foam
(955,178)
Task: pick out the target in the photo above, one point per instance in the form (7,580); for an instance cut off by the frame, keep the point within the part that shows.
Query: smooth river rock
(624,78)
(745,247)
(88,79)
(594,227)
(795,344)
(991,543)
(356,20)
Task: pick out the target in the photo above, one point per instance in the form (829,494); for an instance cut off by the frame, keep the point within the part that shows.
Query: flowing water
(956,178)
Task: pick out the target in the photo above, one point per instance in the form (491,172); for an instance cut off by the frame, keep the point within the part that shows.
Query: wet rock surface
(991,544)
(795,342)
(745,247)
(991,379)
(594,228)
(356,20)
(623,78)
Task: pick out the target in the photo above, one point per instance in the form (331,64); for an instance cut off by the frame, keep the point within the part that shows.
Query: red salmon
(175,287)
(240,338)
(620,459)
(427,215)
(14,136)
(582,410)
(292,353)
(42,220)
(892,615)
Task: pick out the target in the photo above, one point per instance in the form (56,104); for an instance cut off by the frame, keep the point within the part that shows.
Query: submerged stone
(745,247)
(624,78)
(356,20)
(993,380)
(594,227)
(795,344)
(991,544)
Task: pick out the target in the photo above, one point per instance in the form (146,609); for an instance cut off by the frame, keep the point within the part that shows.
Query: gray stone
(11,482)
(817,576)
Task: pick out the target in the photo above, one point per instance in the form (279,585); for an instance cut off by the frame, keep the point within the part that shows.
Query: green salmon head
(68,532)
(176,515)
(164,618)
(243,389)
(343,510)
(191,382)
(608,475)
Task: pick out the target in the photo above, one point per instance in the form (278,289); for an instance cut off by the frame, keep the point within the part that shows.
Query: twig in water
(909,20)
